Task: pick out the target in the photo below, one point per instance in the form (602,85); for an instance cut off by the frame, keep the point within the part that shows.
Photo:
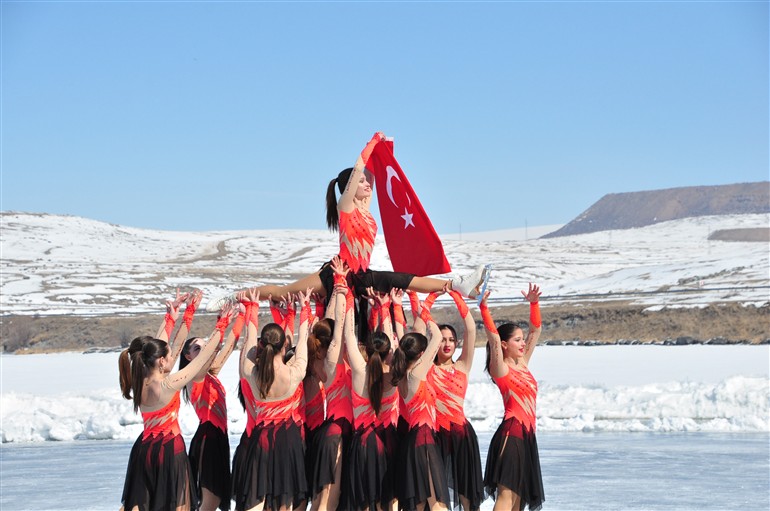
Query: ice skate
(470,285)
(215,304)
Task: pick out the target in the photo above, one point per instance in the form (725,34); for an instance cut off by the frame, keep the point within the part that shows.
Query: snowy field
(70,265)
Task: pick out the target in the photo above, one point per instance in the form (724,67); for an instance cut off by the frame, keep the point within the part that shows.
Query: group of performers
(353,411)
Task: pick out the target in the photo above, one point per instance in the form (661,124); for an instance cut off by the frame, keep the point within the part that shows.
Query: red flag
(413,245)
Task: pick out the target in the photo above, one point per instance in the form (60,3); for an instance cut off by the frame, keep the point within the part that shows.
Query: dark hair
(505,331)
(241,397)
(377,348)
(332,217)
(454,334)
(319,338)
(183,363)
(410,347)
(136,362)
(322,334)
(271,342)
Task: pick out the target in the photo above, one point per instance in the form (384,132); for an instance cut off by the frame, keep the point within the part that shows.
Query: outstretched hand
(383,299)
(229,310)
(172,306)
(485,299)
(396,296)
(304,298)
(533,294)
(339,266)
(249,295)
(194,299)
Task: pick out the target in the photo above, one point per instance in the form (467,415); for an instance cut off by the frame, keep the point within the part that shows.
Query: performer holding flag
(413,244)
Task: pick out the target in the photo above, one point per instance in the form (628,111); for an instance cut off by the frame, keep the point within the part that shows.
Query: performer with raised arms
(422,481)
(159,475)
(210,448)
(512,475)
(269,466)
(458,441)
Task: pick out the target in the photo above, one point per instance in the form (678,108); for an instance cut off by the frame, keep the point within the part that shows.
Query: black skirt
(460,448)
(210,460)
(513,462)
(311,452)
(159,476)
(269,466)
(328,438)
(371,479)
(422,473)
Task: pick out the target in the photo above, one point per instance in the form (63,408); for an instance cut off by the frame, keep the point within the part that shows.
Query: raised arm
(535,323)
(232,338)
(346,203)
(465,361)
(423,310)
(192,301)
(334,352)
(298,363)
(397,297)
(319,305)
(250,299)
(346,316)
(176,381)
(329,310)
(425,362)
(497,366)
(172,313)
(290,317)
(383,301)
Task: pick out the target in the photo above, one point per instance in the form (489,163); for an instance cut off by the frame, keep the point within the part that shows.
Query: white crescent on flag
(389,185)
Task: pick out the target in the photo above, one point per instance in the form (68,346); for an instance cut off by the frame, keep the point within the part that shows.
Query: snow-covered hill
(62,265)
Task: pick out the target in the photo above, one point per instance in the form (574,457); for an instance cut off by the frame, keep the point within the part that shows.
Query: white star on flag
(407,216)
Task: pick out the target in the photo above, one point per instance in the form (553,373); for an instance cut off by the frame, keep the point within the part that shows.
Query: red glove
(489,323)
(414,301)
(169,327)
(398,313)
(534,314)
(189,312)
(238,324)
(462,307)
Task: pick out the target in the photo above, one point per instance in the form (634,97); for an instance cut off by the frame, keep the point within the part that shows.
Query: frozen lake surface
(604,471)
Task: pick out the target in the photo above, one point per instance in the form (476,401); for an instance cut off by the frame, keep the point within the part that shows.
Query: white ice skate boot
(470,285)
(216,303)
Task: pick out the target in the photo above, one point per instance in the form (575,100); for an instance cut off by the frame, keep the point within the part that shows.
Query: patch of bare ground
(585,322)
(756,234)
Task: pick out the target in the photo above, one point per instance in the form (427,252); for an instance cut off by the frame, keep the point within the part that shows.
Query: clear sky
(207,116)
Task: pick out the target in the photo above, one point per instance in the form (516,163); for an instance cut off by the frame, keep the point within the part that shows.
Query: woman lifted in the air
(350,216)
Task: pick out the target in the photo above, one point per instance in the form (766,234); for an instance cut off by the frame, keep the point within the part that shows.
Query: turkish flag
(413,245)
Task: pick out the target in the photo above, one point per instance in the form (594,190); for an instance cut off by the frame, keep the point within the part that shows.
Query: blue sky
(203,116)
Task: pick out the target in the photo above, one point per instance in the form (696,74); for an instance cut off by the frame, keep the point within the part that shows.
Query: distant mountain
(638,209)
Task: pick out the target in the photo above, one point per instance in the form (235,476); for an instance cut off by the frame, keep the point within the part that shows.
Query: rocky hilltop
(638,209)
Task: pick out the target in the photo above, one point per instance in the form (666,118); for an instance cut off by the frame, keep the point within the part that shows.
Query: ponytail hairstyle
(136,362)
(410,347)
(377,348)
(458,342)
(505,331)
(320,338)
(332,217)
(271,342)
(183,363)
